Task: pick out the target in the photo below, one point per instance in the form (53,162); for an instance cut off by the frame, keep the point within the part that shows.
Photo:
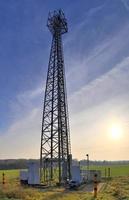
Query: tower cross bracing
(55,136)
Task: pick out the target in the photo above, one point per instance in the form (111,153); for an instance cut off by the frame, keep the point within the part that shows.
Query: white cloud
(103,57)
(22,139)
(79,27)
(26,101)
(31,94)
(110,85)
(126,4)
(94,108)
(25,98)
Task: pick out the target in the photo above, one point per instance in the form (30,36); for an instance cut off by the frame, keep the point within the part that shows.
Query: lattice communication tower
(55,155)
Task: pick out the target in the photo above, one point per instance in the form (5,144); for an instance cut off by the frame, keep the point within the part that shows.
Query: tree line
(23,163)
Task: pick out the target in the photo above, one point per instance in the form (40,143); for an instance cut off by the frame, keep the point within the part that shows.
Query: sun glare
(116,131)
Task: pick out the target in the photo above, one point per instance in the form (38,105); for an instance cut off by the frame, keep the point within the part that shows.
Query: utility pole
(87,155)
(88,166)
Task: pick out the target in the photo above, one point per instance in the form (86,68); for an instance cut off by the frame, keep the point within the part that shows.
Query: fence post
(105,173)
(109,172)
(3,178)
(95,185)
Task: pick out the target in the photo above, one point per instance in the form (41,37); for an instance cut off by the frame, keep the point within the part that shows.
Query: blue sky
(96,51)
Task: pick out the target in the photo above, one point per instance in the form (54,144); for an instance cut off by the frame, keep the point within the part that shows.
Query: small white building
(24,176)
(76,174)
(31,176)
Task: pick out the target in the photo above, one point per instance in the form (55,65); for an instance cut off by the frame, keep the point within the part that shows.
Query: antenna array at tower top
(57,22)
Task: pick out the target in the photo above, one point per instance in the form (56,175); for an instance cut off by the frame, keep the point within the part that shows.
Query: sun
(116,131)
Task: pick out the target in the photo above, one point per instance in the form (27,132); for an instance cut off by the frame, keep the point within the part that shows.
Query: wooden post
(105,173)
(109,172)
(3,178)
(95,186)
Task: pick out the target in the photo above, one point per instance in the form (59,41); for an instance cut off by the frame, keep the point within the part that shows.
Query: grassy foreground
(115,189)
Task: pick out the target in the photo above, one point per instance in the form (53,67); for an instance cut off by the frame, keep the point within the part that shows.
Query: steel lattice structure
(55,137)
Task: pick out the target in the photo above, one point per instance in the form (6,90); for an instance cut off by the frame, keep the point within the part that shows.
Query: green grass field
(10,174)
(116,170)
(115,189)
